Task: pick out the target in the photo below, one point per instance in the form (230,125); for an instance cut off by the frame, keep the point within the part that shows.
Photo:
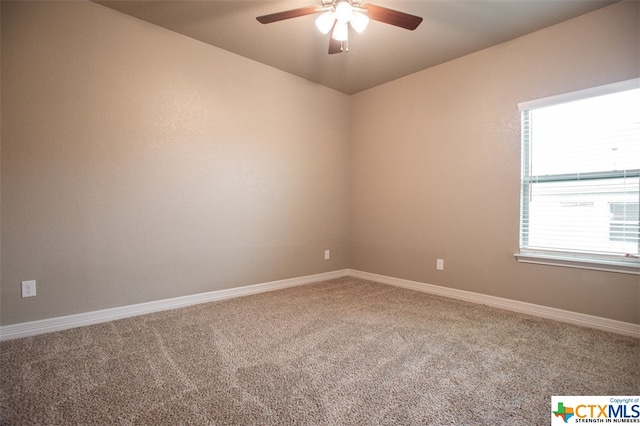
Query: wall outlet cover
(29,288)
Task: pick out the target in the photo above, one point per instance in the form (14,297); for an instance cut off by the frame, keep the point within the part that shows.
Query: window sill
(626,266)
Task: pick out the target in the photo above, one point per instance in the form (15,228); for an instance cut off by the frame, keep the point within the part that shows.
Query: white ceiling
(451,28)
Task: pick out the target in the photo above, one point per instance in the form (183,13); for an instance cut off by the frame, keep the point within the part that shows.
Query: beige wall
(139,165)
(436,165)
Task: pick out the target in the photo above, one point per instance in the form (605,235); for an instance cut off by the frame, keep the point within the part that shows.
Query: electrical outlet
(327,254)
(440,264)
(29,288)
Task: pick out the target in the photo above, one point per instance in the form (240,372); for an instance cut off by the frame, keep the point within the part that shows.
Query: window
(580,181)
(624,223)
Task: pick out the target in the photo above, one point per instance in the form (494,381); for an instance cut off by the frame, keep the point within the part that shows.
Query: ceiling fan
(340,14)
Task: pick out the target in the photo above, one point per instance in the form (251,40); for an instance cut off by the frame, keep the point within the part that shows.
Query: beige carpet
(341,352)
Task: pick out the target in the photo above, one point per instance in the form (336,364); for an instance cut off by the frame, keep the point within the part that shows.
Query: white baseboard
(15,331)
(590,321)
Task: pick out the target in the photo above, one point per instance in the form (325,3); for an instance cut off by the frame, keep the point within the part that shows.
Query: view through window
(581,173)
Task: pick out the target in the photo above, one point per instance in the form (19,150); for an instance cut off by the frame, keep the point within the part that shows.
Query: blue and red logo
(595,409)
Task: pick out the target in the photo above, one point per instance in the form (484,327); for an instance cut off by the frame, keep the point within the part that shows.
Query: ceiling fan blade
(393,17)
(335,46)
(287,14)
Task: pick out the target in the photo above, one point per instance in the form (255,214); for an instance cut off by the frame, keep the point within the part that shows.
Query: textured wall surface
(435,166)
(138,165)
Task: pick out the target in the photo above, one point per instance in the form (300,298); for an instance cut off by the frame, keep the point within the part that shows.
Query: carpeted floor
(340,352)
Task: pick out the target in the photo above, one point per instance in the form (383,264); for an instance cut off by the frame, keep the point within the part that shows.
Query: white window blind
(581,175)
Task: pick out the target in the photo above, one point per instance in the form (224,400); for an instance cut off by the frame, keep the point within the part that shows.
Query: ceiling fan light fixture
(344,12)
(337,15)
(341,31)
(324,22)
(359,21)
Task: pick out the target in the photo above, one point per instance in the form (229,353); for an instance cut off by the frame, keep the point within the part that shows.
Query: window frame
(629,264)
